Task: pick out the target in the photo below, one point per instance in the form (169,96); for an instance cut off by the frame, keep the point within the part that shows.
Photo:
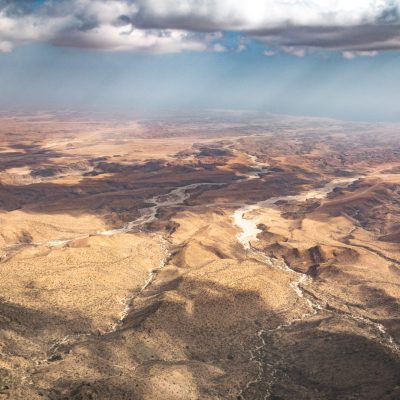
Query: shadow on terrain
(205,334)
(109,187)
(200,338)
(34,323)
(26,336)
(34,156)
(324,359)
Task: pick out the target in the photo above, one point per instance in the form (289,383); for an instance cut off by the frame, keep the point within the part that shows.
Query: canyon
(226,255)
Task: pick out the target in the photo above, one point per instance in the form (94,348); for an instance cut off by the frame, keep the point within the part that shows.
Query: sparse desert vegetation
(228,256)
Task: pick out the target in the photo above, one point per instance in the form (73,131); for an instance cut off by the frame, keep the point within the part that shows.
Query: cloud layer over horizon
(354,28)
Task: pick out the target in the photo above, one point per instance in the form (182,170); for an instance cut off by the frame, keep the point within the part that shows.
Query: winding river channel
(246,220)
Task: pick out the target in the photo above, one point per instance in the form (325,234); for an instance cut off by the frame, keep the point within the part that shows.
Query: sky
(334,58)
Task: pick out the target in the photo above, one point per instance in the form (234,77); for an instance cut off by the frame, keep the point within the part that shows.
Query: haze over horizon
(199,199)
(331,59)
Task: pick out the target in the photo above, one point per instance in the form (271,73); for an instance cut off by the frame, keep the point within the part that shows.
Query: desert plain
(226,255)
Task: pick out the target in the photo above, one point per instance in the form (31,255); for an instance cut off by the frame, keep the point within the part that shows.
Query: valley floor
(216,259)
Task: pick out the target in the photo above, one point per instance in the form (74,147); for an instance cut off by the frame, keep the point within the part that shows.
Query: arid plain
(228,255)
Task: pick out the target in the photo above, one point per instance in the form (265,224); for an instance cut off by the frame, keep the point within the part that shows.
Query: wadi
(230,255)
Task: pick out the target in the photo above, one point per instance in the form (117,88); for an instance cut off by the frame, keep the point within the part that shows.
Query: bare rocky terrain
(219,256)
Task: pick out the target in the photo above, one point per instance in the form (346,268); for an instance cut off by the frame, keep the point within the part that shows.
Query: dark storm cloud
(175,25)
(357,38)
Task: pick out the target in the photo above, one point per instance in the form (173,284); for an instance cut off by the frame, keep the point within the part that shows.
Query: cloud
(343,25)
(5,46)
(269,53)
(219,48)
(356,27)
(95,24)
(295,51)
(349,55)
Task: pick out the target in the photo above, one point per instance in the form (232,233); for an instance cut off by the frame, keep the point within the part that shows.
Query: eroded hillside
(231,256)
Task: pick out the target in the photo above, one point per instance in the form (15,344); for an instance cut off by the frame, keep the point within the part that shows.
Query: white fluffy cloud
(254,15)
(353,27)
(97,24)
